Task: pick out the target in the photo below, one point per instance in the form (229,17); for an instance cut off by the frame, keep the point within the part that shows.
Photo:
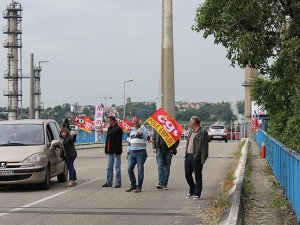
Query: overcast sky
(93,46)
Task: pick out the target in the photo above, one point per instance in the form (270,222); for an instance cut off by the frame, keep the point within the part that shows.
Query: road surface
(91,204)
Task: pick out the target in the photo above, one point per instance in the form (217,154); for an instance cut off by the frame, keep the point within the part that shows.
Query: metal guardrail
(84,137)
(235,132)
(285,164)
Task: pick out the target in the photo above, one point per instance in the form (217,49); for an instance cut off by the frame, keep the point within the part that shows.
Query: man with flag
(164,155)
(165,140)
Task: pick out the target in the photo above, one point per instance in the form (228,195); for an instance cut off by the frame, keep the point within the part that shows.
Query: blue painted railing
(285,164)
(85,137)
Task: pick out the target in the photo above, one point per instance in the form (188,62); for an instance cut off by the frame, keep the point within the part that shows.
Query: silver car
(30,153)
(217,132)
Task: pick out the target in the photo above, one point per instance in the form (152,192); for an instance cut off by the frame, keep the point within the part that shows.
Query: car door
(57,162)
(52,152)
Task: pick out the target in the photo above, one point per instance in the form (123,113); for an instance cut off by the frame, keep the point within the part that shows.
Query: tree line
(209,113)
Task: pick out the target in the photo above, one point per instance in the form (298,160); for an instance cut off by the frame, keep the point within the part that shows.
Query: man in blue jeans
(137,154)
(164,156)
(113,149)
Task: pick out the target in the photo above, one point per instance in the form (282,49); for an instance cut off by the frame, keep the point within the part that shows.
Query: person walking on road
(137,154)
(196,153)
(164,156)
(69,153)
(113,149)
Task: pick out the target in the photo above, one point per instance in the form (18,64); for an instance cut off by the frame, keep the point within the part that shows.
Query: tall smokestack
(250,74)
(167,59)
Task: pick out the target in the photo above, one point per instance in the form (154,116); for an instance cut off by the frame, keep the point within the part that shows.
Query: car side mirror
(54,144)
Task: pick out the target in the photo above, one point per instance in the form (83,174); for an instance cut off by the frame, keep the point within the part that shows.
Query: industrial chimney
(167,59)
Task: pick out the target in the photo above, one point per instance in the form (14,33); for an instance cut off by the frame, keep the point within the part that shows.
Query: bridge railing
(285,164)
(85,137)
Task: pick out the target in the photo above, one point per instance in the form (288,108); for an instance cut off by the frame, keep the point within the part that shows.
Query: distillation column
(13,14)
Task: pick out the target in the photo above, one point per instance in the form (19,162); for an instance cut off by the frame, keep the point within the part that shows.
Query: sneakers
(196,197)
(70,184)
(159,187)
(117,186)
(106,185)
(189,196)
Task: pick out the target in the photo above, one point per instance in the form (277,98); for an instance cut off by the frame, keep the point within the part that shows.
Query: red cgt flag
(125,124)
(84,123)
(166,126)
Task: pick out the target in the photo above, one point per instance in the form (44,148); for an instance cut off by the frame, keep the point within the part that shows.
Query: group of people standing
(196,153)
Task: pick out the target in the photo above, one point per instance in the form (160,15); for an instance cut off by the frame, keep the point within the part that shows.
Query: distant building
(183,106)
(145,103)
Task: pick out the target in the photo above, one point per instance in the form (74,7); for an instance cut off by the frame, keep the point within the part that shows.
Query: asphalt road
(90,204)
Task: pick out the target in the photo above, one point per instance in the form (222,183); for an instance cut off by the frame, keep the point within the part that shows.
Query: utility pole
(31,105)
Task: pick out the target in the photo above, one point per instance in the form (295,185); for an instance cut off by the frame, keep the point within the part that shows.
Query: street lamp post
(125,96)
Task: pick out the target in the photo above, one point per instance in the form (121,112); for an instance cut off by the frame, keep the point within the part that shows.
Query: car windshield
(217,127)
(21,134)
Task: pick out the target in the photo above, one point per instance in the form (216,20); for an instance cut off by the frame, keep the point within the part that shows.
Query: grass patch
(267,170)
(275,184)
(279,201)
(213,215)
(248,187)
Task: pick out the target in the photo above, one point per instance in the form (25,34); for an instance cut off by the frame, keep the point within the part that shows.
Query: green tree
(241,107)
(268,40)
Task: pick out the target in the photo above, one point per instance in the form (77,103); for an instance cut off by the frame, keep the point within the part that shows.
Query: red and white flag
(84,123)
(125,124)
(166,126)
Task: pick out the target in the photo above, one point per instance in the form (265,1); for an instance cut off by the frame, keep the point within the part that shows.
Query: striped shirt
(138,138)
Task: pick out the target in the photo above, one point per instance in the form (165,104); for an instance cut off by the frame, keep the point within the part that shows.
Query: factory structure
(13,74)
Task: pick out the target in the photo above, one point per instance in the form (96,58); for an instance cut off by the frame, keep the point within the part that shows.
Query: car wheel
(63,177)
(46,184)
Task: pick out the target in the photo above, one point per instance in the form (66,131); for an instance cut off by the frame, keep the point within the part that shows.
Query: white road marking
(49,197)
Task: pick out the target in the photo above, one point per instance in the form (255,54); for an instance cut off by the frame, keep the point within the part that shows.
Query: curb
(236,211)
(92,145)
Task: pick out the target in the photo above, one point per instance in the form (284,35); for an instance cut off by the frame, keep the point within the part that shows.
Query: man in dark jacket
(113,149)
(164,156)
(196,154)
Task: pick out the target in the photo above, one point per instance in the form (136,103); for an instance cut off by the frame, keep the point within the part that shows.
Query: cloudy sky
(93,46)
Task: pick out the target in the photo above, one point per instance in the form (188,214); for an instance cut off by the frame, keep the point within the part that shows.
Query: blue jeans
(136,158)
(71,169)
(113,160)
(164,163)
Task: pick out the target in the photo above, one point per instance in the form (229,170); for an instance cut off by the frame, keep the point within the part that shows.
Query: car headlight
(34,158)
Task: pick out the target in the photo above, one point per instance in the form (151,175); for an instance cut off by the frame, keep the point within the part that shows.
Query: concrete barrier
(236,212)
